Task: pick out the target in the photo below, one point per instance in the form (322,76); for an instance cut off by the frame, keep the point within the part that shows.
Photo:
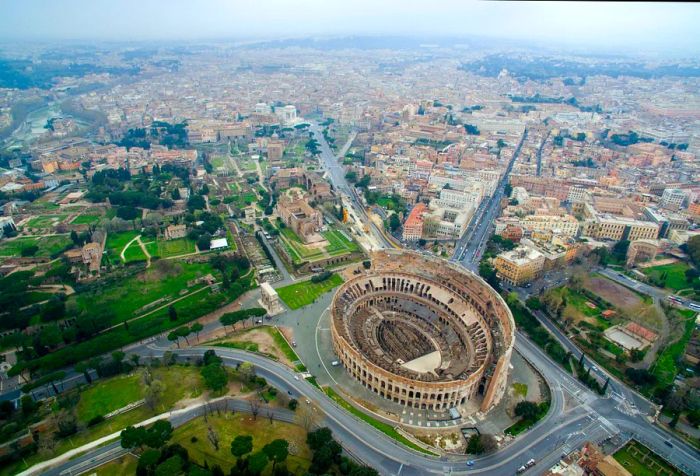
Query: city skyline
(643,28)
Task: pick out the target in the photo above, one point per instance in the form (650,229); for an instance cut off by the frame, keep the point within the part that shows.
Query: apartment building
(608,227)
(673,198)
(519,266)
(413,227)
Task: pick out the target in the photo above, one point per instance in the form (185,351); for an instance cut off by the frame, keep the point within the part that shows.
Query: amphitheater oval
(423,332)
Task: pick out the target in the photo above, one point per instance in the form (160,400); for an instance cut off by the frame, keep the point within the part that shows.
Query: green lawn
(675,275)
(109,395)
(134,253)
(125,297)
(641,461)
(385,428)
(297,247)
(117,241)
(86,219)
(179,382)
(181,246)
(193,437)
(338,244)
(301,294)
(118,467)
(46,221)
(48,245)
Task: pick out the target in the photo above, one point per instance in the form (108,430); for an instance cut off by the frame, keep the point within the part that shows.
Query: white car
(296,377)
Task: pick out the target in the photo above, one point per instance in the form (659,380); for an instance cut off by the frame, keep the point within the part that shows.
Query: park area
(179,382)
(46,245)
(306,292)
(641,461)
(192,436)
(46,221)
(670,276)
(146,291)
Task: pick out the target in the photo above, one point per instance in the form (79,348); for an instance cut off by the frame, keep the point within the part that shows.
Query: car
(259,321)
(668,443)
(296,377)
(308,402)
(289,392)
(294,343)
(470,462)
(530,463)
(335,363)
(521,469)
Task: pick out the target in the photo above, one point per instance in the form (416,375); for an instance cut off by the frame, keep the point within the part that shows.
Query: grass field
(48,245)
(227,426)
(86,219)
(338,244)
(126,297)
(181,246)
(118,467)
(675,275)
(179,382)
(46,221)
(641,461)
(134,253)
(117,241)
(385,428)
(301,294)
(106,396)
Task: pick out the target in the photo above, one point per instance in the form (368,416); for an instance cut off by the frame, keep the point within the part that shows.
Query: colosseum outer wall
(411,271)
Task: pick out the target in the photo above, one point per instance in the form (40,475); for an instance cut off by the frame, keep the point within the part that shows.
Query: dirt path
(121,255)
(261,179)
(234,164)
(145,252)
(55,288)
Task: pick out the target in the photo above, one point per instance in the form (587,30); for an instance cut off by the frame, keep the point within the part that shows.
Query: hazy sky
(636,26)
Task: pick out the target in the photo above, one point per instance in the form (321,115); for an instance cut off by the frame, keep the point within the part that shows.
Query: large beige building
(423,332)
(298,215)
(610,227)
(519,266)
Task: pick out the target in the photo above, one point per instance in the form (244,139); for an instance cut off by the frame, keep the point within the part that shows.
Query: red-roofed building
(413,227)
(641,331)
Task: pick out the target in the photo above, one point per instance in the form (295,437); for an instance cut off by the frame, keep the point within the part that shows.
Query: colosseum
(423,332)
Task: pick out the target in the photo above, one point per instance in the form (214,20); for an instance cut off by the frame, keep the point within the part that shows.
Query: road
(539,153)
(470,246)
(336,174)
(576,415)
(644,288)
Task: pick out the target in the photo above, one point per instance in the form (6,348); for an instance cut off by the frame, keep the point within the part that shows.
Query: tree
(254,408)
(173,337)
(508,189)
(293,404)
(257,462)
(394,222)
(246,371)
(241,445)
(213,438)
(474,445)
(489,443)
(196,328)
(307,418)
(170,466)
(172,313)
(84,367)
(277,451)
(153,393)
(183,331)
(215,376)
(175,194)
(527,410)
(316,439)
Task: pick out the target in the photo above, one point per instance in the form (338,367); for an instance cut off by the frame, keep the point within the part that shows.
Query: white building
(673,198)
